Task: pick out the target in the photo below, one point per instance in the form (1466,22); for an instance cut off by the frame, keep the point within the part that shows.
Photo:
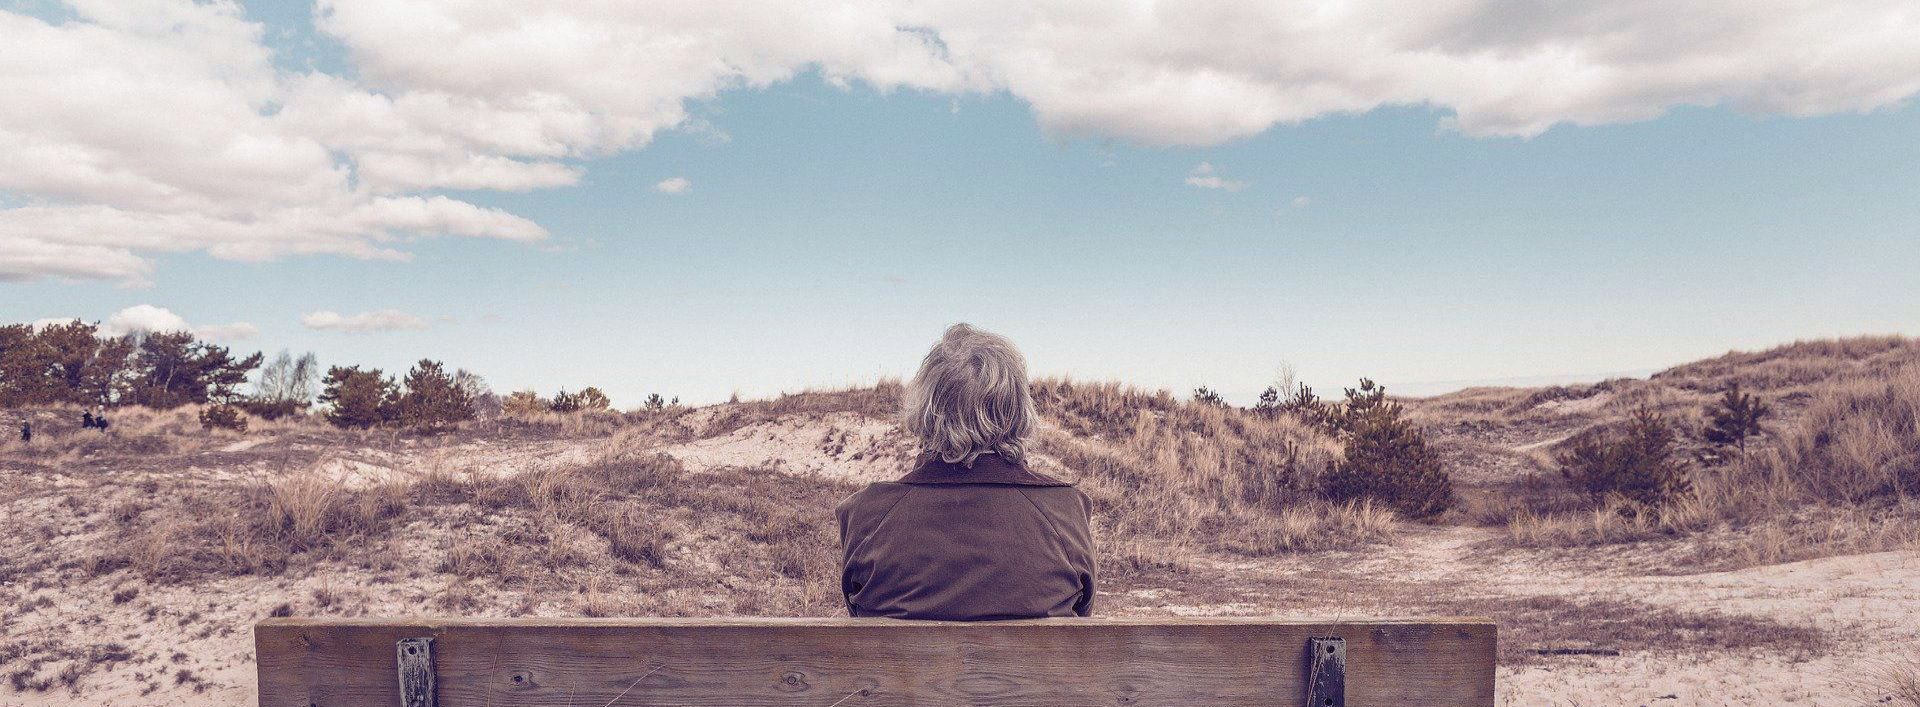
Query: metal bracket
(1326,672)
(416,672)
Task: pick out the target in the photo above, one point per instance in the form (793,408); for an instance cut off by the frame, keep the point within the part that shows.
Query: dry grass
(60,442)
(1841,475)
(1859,441)
(1811,533)
(1220,478)
(628,516)
(1896,682)
(254,528)
(1311,527)
(1801,363)
(1610,523)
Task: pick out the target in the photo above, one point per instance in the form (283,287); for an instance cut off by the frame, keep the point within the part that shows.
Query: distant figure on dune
(86,420)
(971,532)
(26,432)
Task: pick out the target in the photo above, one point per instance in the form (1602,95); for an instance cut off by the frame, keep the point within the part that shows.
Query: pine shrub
(1388,461)
(1639,464)
(1208,397)
(225,417)
(359,398)
(432,398)
(1736,418)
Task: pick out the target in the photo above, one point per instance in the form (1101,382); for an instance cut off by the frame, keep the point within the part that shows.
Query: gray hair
(970,398)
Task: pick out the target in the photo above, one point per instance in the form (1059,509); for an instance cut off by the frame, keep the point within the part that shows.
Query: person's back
(946,542)
(970,533)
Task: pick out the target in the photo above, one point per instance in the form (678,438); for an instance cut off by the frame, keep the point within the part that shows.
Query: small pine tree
(433,398)
(1308,408)
(226,417)
(1388,460)
(1208,397)
(357,398)
(1269,403)
(1343,418)
(564,401)
(1736,418)
(657,403)
(1639,464)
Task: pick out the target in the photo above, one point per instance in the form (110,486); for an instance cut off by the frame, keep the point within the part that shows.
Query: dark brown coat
(946,542)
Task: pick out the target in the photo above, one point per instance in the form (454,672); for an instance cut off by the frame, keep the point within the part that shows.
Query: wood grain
(1442,662)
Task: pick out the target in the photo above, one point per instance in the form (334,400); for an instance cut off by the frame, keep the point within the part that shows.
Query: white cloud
(1205,177)
(142,127)
(143,318)
(147,318)
(155,126)
(1301,202)
(382,320)
(673,185)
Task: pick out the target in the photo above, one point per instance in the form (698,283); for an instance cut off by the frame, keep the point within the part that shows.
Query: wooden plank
(1441,662)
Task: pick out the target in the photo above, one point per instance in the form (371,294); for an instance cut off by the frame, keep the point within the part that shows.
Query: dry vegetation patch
(1201,509)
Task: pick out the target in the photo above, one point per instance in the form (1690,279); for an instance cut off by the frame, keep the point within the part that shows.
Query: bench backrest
(739,662)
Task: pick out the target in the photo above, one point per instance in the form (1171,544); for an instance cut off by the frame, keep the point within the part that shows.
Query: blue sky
(829,232)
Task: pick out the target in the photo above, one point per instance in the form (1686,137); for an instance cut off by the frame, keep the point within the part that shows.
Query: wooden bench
(746,662)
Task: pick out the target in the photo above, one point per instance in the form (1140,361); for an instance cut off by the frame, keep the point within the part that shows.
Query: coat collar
(987,469)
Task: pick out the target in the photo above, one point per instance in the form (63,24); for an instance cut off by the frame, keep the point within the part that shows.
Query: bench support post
(416,672)
(1326,672)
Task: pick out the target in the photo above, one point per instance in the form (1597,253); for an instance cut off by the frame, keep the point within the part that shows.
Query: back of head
(970,398)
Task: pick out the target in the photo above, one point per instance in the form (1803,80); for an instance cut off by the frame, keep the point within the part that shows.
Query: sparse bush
(1208,397)
(1735,418)
(565,402)
(1639,464)
(1269,402)
(523,403)
(592,399)
(358,398)
(224,417)
(1387,459)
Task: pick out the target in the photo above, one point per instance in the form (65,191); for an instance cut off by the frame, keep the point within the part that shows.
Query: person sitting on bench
(971,532)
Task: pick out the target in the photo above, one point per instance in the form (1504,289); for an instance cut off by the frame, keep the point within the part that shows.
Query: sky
(703,199)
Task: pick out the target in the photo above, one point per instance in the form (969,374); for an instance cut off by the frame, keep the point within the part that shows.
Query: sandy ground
(840,445)
(199,635)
